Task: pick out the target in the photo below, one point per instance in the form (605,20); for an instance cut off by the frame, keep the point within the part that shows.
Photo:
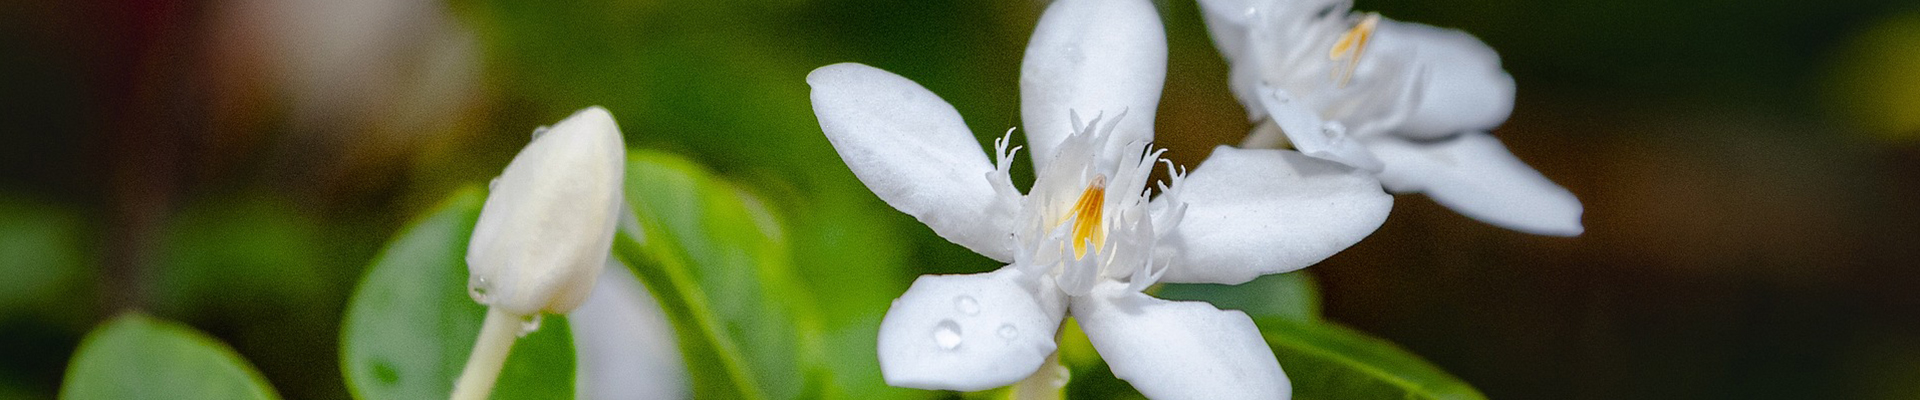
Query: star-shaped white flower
(1411,101)
(1086,238)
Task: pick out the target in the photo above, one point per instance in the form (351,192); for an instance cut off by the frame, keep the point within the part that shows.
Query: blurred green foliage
(411,323)
(716,259)
(47,248)
(1873,82)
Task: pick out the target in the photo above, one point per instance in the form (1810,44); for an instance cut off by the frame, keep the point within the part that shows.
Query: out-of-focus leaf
(255,254)
(1293,296)
(715,257)
(851,256)
(1325,360)
(1872,81)
(44,254)
(138,357)
(706,77)
(252,265)
(411,325)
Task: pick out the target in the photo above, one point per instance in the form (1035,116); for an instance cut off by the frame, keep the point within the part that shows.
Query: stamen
(1350,46)
(1087,221)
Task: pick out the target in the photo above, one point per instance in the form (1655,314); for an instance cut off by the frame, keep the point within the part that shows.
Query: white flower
(1410,101)
(1086,238)
(546,228)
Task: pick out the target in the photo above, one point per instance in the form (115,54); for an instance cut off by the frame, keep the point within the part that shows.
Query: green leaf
(714,256)
(1292,295)
(1325,361)
(411,325)
(850,256)
(139,357)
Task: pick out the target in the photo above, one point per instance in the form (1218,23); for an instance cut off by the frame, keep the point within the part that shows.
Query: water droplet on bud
(529,325)
(477,289)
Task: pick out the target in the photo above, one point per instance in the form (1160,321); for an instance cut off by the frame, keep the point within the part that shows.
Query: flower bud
(547,225)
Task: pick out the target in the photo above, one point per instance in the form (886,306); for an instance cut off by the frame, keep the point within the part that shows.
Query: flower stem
(497,334)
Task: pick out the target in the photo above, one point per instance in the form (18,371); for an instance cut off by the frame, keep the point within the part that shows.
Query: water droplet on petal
(492,183)
(477,289)
(537,132)
(947,335)
(967,305)
(1008,331)
(1074,55)
(529,325)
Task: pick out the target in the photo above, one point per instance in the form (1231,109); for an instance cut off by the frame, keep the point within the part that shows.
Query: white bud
(547,226)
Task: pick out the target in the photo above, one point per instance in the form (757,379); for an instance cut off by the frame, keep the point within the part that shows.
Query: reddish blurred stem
(143,150)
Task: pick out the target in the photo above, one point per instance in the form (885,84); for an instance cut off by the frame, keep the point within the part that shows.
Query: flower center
(1087,212)
(1350,46)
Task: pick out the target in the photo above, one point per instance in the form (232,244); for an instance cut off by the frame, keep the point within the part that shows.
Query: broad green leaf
(1325,360)
(411,325)
(1293,296)
(714,256)
(139,357)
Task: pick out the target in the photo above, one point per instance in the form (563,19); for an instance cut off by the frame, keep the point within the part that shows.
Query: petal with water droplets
(968,332)
(1313,136)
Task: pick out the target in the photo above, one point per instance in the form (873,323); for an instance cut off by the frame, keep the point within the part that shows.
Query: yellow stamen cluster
(1350,46)
(1086,212)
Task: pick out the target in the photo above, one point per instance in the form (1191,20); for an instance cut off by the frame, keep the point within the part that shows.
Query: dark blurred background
(1750,170)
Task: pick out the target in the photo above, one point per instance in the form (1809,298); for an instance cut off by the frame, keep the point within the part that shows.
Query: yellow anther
(1086,212)
(1350,46)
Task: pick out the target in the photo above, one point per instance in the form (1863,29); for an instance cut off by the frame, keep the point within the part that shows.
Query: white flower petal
(547,225)
(624,343)
(1313,136)
(1475,175)
(1258,212)
(1465,89)
(968,332)
(1227,24)
(1180,349)
(911,148)
(1096,58)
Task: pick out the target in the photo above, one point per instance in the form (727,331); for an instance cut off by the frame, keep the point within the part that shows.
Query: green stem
(497,334)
